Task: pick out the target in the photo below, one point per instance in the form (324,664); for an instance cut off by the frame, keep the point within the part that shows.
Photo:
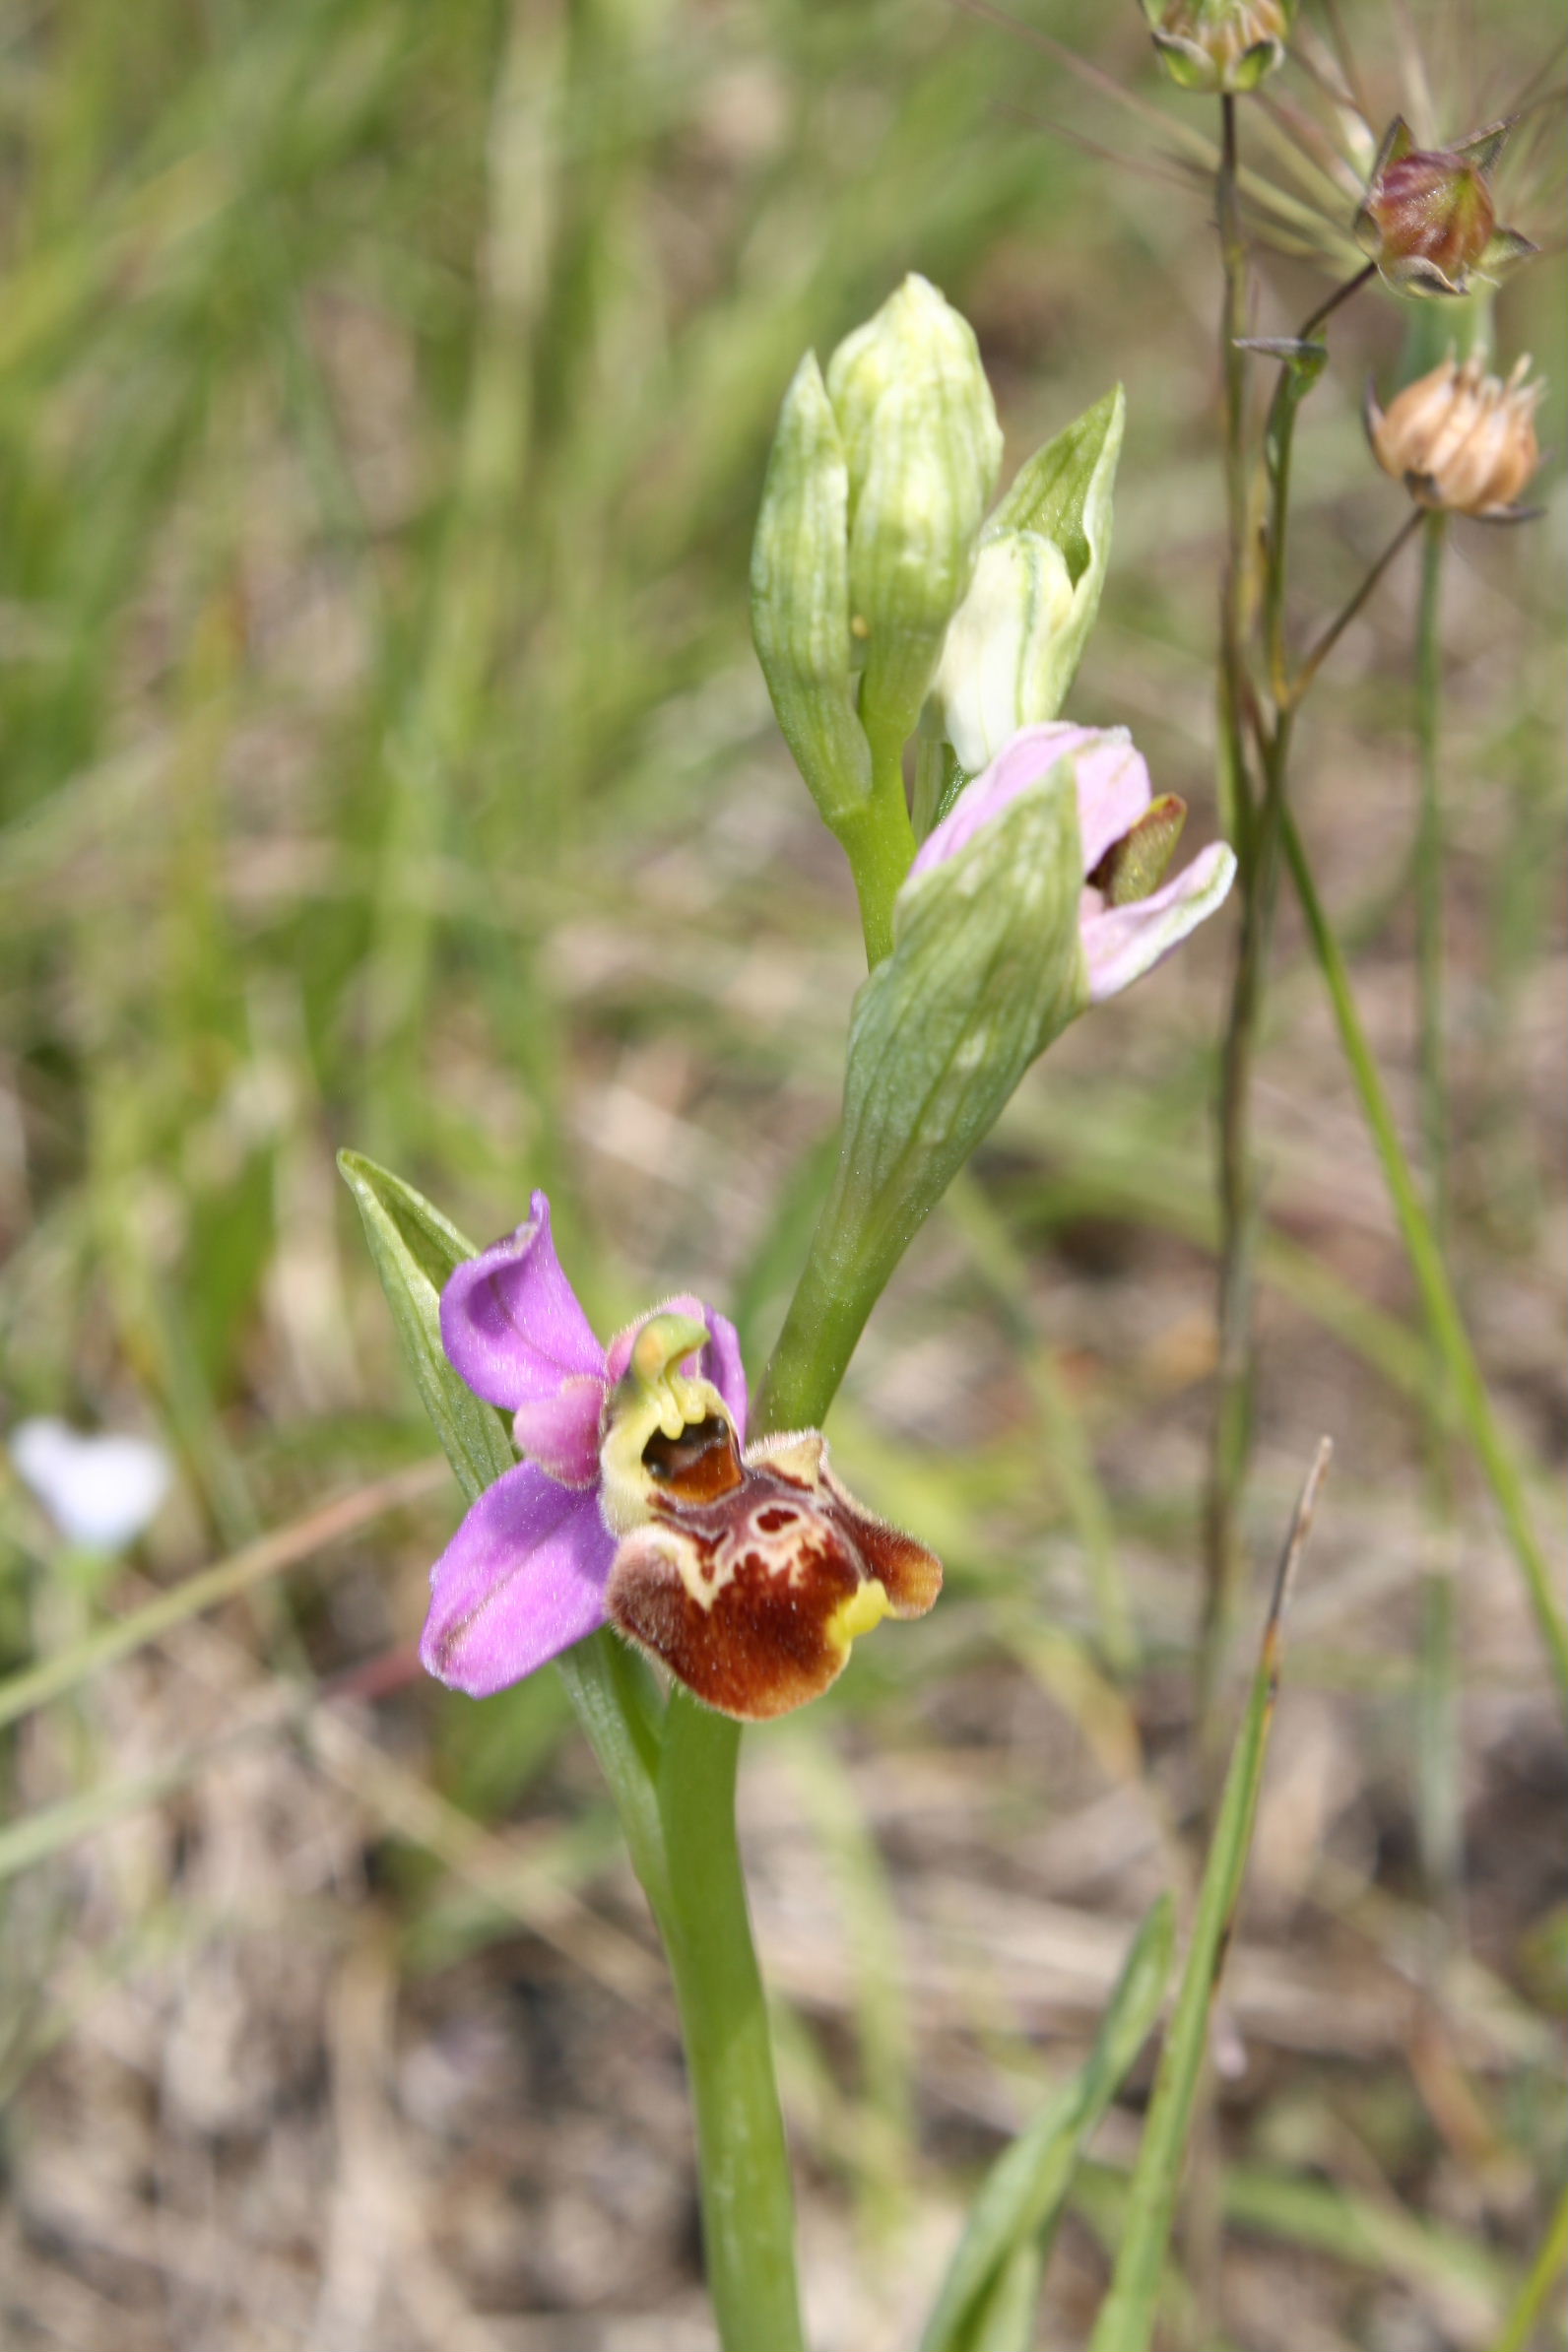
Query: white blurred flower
(99,1491)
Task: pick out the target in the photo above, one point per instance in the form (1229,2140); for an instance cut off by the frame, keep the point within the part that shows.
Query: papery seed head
(1461,440)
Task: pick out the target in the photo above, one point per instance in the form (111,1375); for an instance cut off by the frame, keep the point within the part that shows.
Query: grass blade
(1449,1334)
(1023,2194)
(1126,2322)
(287,1547)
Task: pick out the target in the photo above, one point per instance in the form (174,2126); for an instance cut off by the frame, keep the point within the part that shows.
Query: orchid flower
(748,1574)
(1129,918)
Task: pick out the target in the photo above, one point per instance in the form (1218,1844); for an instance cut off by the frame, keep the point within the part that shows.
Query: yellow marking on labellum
(862,1612)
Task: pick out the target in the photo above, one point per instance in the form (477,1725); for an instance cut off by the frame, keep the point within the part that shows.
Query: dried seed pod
(1461,440)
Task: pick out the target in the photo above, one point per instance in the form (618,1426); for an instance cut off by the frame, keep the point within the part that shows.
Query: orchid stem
(742,2158)
(748,2201)
(880,843)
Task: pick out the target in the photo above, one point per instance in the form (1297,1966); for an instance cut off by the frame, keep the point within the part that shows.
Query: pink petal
(561,1432)
(511,1325)
(720,1361)
(1121,943)
(523,1578)
(1113,789)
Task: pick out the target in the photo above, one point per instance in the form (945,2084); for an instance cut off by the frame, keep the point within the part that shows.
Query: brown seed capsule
(756,1572)
(1462,442)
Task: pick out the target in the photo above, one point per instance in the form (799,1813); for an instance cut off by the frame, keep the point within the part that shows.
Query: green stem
(743,2160)
(1450,1337)
(1519,2330)
(1314,660)
(879,843)
(1232,1411)
(1239,1203)
(1437,1747)
(1234,360)
(1429,871)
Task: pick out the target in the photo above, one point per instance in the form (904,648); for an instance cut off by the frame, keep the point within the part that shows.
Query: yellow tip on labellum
(862,1612)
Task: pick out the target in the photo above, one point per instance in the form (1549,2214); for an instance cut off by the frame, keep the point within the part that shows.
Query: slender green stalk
(1236,791)
(1233,1411)
(1312,662)
(748,2201)
(742,2161)
(1471,1404)
(1436,1743)
(879,844)
(1429,871)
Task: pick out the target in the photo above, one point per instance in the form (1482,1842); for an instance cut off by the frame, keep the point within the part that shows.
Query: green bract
(987,968)
(1015,643)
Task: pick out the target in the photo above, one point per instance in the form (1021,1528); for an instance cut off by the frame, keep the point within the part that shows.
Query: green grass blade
(1023,2194)
(287,1547)
(1451,1339)
(1127,2318)
(1519,2330)
(1004,2320)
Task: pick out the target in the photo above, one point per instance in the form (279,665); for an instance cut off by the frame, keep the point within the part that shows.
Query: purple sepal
(511,1326)
(522,1580)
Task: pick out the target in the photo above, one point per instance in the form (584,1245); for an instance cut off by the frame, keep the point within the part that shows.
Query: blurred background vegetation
(384,392)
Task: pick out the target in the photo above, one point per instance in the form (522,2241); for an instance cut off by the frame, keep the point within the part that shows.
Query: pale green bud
(800,598)
(1015,643)
(1228,45)
(923,448)
(1018,610)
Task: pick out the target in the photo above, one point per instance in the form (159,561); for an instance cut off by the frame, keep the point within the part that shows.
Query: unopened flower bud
(1015,642)
(1461,440)
(1428,219)
(923,449)
(1227,46)
(799,598)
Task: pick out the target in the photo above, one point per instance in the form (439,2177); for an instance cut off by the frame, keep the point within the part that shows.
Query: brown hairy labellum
(754,1573)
